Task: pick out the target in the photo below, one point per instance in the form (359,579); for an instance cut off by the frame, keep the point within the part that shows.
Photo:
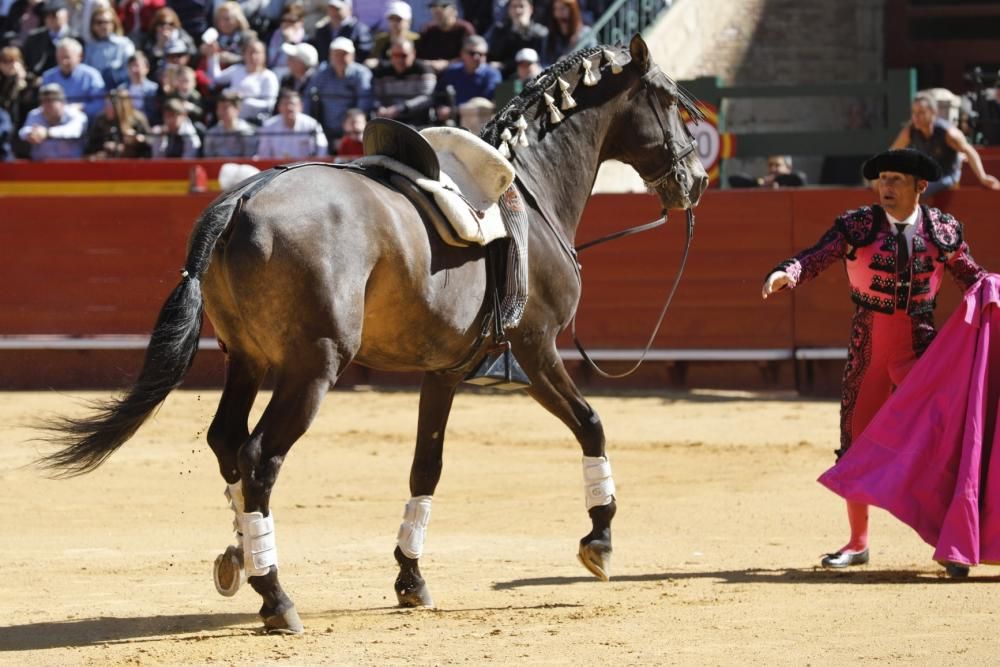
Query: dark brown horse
(308,271)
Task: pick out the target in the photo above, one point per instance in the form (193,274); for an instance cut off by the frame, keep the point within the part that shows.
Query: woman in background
(120,131)
(17,95)
(291,31)
(165,30)
(257,85)
(80,14)
(566,29)
(107,50)
(231,31)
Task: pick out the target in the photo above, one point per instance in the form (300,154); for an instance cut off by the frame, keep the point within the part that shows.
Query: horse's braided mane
(532,93)
(546,79)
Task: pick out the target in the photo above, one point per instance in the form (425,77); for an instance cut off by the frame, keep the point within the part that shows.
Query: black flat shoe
(956,570)
(842,559)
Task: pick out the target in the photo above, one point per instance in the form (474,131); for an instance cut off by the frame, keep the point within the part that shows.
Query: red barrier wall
(88,265)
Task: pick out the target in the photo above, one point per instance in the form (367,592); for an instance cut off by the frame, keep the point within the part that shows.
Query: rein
(623,233)
(689,234)
(676,171)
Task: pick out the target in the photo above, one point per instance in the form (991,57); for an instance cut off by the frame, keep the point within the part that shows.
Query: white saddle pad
(475,225)
(480,171)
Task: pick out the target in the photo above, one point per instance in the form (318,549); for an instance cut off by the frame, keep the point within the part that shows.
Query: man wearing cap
(340,86)
(895,253)
(82,84)
(441,40)
(527,65)
(340,22)
(398,17)
(291,31)
(301,61)
(54,130)
(40,46)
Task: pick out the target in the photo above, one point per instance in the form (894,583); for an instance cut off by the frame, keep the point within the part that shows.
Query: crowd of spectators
(286,79)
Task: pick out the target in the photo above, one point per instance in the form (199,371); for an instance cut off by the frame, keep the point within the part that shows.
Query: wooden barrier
(79,266)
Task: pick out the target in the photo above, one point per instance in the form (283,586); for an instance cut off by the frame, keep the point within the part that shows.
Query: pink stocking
(857,517)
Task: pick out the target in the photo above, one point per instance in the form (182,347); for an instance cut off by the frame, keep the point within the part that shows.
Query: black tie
(902,266)
(902,246)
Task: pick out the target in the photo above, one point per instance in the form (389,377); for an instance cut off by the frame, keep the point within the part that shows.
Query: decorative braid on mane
(533,93)
(510,119)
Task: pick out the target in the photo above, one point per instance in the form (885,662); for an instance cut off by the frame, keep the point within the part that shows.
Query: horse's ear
(640,52)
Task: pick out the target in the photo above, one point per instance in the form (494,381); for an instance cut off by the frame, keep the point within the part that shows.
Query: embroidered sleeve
(963,268)
(944,230)
(812,261)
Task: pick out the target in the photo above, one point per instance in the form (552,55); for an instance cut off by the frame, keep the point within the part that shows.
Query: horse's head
(651,137)
(599,103)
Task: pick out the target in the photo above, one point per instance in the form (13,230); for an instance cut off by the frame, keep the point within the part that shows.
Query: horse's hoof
(596,557)
(229,572)
(415,597)
(287,623)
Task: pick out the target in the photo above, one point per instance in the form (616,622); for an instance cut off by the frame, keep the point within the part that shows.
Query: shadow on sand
(772,576)
(112,630)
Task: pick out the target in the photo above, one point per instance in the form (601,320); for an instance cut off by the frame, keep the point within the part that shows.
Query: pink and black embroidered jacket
(864,240)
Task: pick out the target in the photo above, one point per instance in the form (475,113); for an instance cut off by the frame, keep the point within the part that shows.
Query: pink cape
(925,457)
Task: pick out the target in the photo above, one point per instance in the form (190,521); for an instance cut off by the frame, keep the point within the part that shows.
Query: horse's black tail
(85,443)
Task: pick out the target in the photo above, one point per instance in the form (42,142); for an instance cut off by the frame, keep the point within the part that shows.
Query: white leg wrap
(254,534)
(412,531)
(598,486)
(259,549)
(234,494)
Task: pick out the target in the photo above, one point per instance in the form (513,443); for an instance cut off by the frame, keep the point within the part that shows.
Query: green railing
(623,19)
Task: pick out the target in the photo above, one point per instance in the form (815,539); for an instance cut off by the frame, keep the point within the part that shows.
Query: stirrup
(499,369)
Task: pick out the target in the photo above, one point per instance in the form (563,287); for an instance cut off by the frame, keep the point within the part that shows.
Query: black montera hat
(905,161)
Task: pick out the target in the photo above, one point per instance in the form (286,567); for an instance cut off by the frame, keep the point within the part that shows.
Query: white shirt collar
(909,220)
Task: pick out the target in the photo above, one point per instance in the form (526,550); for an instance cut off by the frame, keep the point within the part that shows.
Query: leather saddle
(451,176)
(399,141)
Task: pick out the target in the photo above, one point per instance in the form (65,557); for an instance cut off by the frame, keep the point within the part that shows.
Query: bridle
(677,171)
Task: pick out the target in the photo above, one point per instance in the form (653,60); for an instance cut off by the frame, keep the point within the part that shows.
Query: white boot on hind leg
(228,572)
(254,537)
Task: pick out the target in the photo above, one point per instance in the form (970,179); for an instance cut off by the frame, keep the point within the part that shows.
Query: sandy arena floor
(718,534)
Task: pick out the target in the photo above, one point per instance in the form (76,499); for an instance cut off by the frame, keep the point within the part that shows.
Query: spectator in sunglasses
(108,51)
(166,31)
(404,87)
(471,77)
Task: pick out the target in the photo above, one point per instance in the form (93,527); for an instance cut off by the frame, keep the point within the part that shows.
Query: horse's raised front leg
(226,435)
(296,399)
(436,394)
(555,391)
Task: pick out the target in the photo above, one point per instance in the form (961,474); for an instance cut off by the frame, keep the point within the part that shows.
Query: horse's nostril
(702,185)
